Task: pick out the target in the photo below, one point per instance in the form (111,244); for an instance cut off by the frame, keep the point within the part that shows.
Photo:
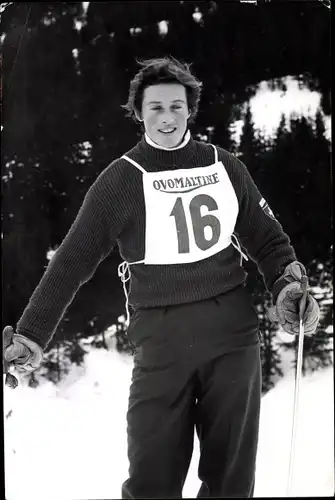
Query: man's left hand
(288,294)
(287,310)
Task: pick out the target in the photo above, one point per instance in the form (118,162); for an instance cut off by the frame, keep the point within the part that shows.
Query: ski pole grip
(302,305)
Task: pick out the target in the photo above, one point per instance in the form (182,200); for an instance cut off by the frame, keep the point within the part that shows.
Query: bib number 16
(199,223)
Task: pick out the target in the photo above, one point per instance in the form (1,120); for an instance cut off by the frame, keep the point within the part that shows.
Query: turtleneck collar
(187,137)
(174,158)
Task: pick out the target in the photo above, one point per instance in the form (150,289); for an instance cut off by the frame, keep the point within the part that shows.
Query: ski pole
(302,307)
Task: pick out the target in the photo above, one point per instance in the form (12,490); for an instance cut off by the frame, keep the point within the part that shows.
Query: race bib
(190,214)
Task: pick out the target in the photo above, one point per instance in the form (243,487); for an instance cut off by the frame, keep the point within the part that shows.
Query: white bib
(190,213)
(190,216)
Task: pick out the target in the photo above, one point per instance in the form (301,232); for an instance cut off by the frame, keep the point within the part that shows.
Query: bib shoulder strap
(216,158)
(134,163)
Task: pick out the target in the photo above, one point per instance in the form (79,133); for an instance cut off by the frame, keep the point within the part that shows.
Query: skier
(179,210)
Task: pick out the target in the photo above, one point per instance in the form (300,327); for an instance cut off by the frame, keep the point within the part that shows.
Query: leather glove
(287,293)
(25,354)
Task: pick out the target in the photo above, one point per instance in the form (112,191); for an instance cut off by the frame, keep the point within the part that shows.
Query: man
(178,210)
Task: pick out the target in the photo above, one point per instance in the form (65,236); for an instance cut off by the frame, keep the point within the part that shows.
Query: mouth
(168,131)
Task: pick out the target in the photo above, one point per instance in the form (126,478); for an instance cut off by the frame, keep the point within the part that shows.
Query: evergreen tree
(299,163)
(50,165)
(270,348)
(251,147)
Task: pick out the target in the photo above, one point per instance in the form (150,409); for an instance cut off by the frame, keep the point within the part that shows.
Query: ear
(138,115)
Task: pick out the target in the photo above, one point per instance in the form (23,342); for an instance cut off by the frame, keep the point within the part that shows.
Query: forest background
(66,68)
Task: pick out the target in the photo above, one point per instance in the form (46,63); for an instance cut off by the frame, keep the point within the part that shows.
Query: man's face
(165,113)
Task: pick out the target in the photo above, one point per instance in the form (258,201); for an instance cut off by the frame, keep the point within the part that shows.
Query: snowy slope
(69,442)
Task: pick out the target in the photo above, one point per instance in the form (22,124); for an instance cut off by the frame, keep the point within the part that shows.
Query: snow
(163,27)
(314,457)
(68,442)
(85,6)
(267,107)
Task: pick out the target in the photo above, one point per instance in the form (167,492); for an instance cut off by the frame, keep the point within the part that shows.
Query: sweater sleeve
(259,232)
(90,239)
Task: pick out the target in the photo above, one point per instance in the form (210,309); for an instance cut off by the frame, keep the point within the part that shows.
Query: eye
(156,108)
(176,106)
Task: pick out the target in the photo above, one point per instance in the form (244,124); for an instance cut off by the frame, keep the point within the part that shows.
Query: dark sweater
(113,211)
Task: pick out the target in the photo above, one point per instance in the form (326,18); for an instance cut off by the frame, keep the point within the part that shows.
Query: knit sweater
(113,213)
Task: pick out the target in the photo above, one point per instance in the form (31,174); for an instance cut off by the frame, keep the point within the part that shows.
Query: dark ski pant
(196,366)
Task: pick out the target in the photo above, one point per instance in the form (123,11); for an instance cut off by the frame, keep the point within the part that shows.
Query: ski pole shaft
(302,307)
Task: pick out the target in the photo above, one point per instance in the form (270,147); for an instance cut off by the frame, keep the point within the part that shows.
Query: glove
(25,354)
(287,293)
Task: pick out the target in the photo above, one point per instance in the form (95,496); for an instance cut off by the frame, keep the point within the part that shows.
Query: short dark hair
(163,70)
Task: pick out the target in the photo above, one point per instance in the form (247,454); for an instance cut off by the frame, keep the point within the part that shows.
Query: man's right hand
(24,353)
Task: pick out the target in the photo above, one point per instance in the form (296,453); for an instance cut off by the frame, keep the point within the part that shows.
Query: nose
(167,119)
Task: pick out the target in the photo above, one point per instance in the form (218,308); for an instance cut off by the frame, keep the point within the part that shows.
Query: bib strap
(134,163)
(238,248)
(216,158)
(125,274)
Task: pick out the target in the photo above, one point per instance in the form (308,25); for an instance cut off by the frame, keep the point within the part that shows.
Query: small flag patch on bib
(264,205)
